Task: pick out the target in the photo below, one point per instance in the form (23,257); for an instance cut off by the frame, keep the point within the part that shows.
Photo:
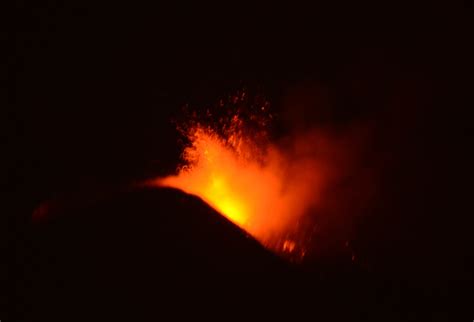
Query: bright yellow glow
(219,195)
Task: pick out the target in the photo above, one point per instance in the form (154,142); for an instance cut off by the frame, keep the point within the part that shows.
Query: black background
(93,90)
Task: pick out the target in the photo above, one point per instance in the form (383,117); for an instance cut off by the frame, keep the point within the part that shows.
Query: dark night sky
(96,91)
(93,90)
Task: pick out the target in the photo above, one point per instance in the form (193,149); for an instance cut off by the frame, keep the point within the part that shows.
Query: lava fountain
(266,188)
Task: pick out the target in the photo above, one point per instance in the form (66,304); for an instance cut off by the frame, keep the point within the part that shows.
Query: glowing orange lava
(238,188)
(257,186)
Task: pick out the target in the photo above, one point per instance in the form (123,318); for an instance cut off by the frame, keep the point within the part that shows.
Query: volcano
(136,245)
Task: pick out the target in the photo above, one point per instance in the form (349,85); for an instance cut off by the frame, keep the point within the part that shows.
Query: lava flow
(265,188)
